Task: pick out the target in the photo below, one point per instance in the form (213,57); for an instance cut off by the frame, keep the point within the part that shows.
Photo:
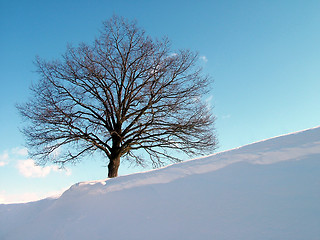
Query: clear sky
(263,55)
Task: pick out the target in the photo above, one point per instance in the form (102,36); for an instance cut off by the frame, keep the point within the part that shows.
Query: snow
(265,190)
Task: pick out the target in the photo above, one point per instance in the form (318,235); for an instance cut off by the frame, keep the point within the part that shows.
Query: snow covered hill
(265,190)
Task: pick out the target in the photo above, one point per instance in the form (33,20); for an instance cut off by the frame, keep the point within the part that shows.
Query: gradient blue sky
(263,55)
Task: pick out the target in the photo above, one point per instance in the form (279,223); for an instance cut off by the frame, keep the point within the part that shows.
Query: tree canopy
(126,95)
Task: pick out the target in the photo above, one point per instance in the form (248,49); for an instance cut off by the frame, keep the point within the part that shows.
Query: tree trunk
(113,167)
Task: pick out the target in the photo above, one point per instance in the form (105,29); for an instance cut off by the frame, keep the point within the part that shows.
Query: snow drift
(265,190)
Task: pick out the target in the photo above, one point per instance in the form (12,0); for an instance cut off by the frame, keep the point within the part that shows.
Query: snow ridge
(287,147)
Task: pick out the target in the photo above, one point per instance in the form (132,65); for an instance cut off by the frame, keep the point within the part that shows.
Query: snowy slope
(266,190)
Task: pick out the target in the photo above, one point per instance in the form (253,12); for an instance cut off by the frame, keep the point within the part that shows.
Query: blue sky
(263,55)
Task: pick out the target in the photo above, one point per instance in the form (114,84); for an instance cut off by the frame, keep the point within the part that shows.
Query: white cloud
(203,58)
(20,151)
(28,168)
(226,116)
(2,163)
(3,159)
(14,153)
(4,156)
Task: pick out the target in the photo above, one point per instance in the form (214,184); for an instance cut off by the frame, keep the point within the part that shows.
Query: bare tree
(125,95)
